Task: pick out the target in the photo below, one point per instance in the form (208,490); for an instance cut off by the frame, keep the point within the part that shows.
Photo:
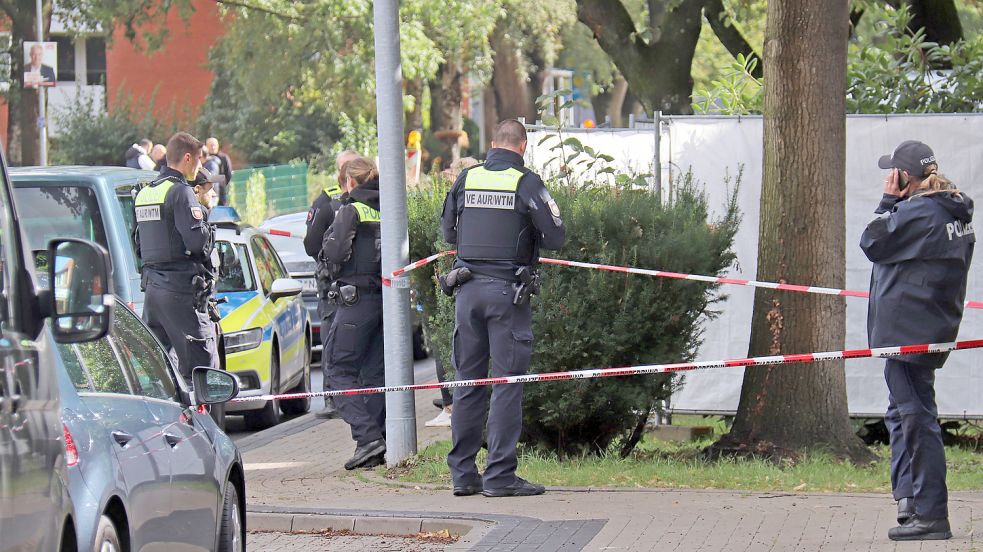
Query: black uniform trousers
(917,454)
(488,328)
(187,334)
(357,360)
(326,310)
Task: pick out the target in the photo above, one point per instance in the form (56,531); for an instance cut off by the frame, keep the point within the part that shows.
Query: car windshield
(47,212)
(234,273)
(124,195)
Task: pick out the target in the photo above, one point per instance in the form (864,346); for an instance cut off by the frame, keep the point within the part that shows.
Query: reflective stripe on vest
(149,202)
(480,178)
(366,213)
(332,190)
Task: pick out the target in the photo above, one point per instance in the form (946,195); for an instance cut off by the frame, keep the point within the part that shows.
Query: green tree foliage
(589,319)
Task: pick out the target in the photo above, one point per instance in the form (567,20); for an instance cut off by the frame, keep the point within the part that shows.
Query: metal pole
(400,407)
(657,161)
(42,120)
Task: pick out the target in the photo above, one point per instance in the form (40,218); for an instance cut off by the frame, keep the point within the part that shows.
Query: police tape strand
(882,352)
(388,281)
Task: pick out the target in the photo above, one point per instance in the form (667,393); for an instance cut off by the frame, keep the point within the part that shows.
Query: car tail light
(71,452)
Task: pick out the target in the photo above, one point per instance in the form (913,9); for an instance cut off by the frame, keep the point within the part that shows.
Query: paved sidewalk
(304,470)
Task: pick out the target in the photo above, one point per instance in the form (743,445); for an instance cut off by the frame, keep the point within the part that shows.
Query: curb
(470,530)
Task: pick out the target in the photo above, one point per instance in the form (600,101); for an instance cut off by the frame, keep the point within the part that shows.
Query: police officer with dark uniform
(175,242)
(319,219)
(921,243)
(499,214)
(352,250)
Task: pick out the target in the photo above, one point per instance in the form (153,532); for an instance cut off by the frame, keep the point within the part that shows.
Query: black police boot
(921,529)
(329,412)
(520,487)
(469,488)
(365,453)
(439,403)
(906,509)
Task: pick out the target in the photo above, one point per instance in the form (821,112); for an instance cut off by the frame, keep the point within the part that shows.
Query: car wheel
(269,415)
(106,538)
(300,406)
(232,537)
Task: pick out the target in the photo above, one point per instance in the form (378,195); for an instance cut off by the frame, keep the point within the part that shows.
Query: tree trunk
(414,119)
(801,239)
(452,116)
(509,82)
(607,105)
(22,107)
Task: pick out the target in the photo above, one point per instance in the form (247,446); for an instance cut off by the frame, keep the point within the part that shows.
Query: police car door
(288,312)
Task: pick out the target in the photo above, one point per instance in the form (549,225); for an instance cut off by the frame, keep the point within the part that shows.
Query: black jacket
(921,248)
(319,219)
(336,248)
(534,201)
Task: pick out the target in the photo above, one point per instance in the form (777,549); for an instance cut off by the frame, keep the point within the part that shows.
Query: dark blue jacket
(921,248)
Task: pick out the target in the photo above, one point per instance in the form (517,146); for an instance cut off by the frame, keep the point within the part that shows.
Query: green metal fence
(285,190)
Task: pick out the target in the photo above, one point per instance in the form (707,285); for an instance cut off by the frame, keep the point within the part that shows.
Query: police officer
(175,242)
(319,219)
(921,244)
(499,214)
(352,251)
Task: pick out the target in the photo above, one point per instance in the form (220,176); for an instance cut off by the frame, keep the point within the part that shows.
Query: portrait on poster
(40,64)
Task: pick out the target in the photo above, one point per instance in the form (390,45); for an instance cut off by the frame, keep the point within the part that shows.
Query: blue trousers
(490,334)
(917,454)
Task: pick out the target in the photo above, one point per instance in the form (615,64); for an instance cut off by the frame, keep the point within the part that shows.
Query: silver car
(146,468)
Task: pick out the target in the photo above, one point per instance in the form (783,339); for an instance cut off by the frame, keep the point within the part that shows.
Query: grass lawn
(656,464)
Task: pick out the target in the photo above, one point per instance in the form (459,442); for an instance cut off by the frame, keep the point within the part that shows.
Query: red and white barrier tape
(882,352)
(648,272)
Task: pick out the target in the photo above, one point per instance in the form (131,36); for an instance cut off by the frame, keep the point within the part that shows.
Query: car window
(233,273)
(103,367)
(6,256)
(73,365)
(124,194)
(49,212)
(142,355)
(267,263)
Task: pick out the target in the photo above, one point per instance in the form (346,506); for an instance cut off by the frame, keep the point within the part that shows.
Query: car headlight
(243,341)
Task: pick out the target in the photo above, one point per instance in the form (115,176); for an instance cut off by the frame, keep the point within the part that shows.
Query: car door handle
(172,439)
(122,438)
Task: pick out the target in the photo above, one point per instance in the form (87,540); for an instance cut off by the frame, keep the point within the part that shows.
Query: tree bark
(414,119)
(509,84)
(801,239)
(22,104)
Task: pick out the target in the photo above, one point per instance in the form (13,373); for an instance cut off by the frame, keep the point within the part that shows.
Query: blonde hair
(931,182)
(361,170)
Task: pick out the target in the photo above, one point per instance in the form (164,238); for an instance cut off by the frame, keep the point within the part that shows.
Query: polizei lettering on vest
(489,200)
(959,229)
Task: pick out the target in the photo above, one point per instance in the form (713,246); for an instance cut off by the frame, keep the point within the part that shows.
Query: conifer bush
(586,319)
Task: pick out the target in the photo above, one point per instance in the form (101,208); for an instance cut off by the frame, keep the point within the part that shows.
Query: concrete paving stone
(387,526)
(308,522)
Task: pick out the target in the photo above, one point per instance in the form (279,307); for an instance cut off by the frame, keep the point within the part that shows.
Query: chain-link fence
(262,192)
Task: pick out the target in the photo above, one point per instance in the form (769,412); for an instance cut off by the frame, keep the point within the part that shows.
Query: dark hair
(180,144)
(509,133)
(361,169)
(146,144)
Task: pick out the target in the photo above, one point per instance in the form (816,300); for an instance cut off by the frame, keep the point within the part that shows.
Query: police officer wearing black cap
(352,249)
(175,241)
(921,244)
(499,214)
(319,219)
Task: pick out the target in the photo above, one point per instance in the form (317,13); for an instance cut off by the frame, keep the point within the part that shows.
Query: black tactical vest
(366,259)
(155,222)
(489,227)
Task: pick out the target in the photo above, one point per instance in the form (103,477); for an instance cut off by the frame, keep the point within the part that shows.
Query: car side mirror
(214,386)
(78,298)
(285,287)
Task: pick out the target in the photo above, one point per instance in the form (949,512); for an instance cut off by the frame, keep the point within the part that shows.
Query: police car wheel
(300,406)
(107,540)
(269,415)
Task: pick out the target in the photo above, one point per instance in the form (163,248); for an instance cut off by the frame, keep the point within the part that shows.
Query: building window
(66,57)
(95,60)
(5,61)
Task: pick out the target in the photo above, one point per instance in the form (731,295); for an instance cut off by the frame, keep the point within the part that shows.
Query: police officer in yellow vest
(499,214)
(352,250)
(319,219)
(175,242)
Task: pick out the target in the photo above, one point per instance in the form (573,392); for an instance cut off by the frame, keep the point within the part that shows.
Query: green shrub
(590,319)
(87,139)
(254,212)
